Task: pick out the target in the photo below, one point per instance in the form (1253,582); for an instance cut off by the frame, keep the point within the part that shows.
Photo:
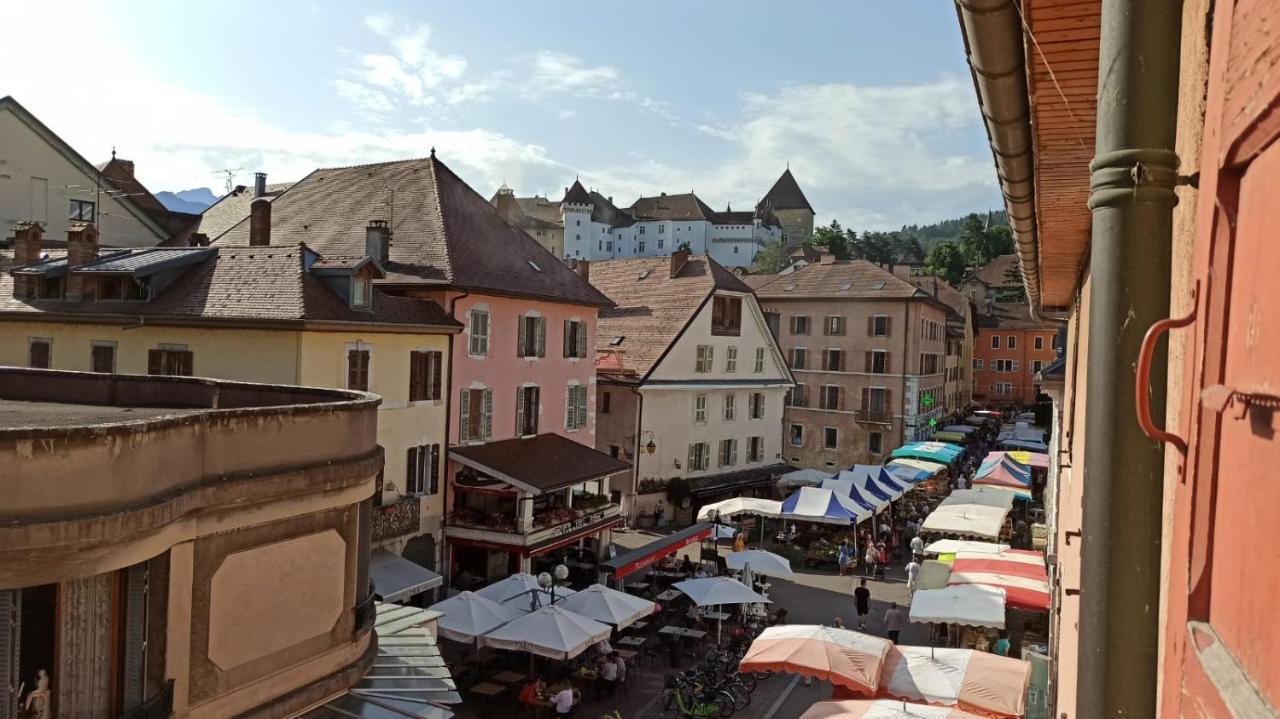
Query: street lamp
(548,584)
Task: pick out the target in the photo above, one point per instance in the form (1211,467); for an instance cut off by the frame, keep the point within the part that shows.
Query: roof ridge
(444,230)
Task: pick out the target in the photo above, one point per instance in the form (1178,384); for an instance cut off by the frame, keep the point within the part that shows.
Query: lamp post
(548,583)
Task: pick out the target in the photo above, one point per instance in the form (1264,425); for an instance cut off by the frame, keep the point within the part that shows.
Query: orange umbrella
(881,709)
(847,659)
(979,682)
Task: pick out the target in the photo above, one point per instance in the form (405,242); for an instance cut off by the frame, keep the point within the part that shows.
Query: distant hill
(193,201)
(930,235)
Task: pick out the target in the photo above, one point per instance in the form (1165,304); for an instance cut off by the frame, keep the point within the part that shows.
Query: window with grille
(478,344)
(730,359)
(40,353)
(531,340)
(757,405)
(178,361)
(475,415)
(422,470)
(705,358)
(526,411)
(700,409)
(575,339)
(425,371)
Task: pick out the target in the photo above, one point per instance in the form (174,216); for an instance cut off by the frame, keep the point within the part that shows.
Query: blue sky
(870,102)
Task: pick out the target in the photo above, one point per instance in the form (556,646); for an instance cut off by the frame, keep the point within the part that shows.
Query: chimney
(826,258)
(82,248)
(583,268)
(678,260)
(26,251)
(377,240)
(259,184)
(199,239)
(260,222)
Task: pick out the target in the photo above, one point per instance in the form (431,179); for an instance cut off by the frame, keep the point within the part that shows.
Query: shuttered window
(833,360)
(878,326)
(422,470)
(40,353)
(166,361)
(478,344)
(799,325)
(755,449)
(357,370)
(728,452)
(799,358)
(834,325)
(102,357)
(729,408)
(757,405)
(425,370)
(830,397)
(877,362)
(798,396)
(531,340)
(726,315)
(526,411)
(705,359)
(475,415)
(730,359)
(759,360)
(575,406)
(699,456)
(575,339)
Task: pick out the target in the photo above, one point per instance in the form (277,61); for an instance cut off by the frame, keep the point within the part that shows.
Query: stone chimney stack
(377,240)
(82,248)
(260,222)
(259,184)
(26,251)
(678,260)
(583,268)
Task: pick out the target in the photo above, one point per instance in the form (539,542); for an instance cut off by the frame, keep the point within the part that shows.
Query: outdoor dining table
(638,626)
(682,632)
(638,586)
(668,595)
(508,677)
(718,616)
(488,689)
(630,642)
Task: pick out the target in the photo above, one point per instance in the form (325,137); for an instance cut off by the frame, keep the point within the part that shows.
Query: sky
(870,103)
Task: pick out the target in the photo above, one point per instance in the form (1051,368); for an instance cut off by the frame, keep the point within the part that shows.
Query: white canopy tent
(985,495)
(975,605)
(553,632)
(972,519)
(802,478)
(953,546)
(741,505)
(469,615)
(607,605)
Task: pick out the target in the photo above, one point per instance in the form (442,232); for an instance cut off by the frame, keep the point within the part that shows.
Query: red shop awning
(640,558)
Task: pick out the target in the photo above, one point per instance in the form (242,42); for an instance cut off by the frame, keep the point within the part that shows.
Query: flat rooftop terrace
(16,414)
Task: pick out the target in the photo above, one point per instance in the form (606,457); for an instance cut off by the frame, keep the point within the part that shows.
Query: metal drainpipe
(1133,174)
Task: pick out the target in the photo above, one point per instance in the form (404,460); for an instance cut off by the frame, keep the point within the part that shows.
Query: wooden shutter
(39,355)
(582,338)
(888,325)
(569,344)
(871,326)
(888,403)
(186,364)
(869,359)
(887,363)
(540,339)
(692,453)
(410,471)
(522,336)
(464,415)
(417,376)
(582,405)
(866,399)
(433,470)
(793,324)
(103,358)
(155,362)
(135,636)
(520,411)
(353,369)
(488,414)
(437,366)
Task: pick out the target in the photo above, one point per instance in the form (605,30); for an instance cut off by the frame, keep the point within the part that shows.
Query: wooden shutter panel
(540,338)
(437,366)
(582,405)
(353,370)
(433,470)
(520,411)
(582,339)
(866,399)
(871,326)
(869,359)
(692,454)
(887,362)
(186,363)
(522,336)
(488,414)
(793,324)
(568,339)
(416,380)
(888,325)
(464,419)
(888,402)
(155,359)
(410,471)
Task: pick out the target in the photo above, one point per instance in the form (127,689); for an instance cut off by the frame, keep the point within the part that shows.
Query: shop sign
(579,523)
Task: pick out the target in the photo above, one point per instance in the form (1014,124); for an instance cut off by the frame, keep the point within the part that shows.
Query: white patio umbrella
(607,605)
(718,590)
(553,632)
(468,615)
(513,586)
(760,562)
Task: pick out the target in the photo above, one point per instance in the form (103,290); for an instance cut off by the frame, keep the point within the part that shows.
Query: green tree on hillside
(773,258)
(834,239)
(947,260)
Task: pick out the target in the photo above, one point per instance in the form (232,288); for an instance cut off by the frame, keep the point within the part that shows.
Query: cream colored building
(691,383)
(278,314)
(43,179)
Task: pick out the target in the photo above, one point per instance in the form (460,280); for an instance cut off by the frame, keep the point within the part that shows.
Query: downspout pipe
(1133,174)
(993,42)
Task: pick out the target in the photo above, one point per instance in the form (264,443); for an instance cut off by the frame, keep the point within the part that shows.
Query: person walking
(870,569)
(862,603)
(913,573)
(842,556)
(894,619)
(917,548)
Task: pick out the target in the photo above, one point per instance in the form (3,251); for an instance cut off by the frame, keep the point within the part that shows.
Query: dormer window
(120,288)
(361,292)
(726,316)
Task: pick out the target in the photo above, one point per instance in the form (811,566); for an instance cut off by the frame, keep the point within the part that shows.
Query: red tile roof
(443,232)
(849,279)
(652,307)
(996,272)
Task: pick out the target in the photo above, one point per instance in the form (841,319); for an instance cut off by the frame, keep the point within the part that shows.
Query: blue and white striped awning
(811,504)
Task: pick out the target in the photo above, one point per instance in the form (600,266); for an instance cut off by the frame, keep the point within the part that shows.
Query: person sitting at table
(622,667)
(531,693)
(565,699)
(686,565)
(701,573)
(693,618)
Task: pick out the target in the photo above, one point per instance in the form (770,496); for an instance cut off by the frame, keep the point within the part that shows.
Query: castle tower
(788,203)
(575,211)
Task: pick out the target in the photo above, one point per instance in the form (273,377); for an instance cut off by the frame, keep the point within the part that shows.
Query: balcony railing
(397,519)
(875,416)
(469,523)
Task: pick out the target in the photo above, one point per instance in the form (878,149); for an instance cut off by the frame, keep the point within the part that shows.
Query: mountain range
(194,201)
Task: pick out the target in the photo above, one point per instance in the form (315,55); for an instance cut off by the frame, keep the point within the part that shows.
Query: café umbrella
(760,562)
(881,709)
(553,632)
(607,605)
(717,590)
(974,681)
(468,615)
(846,658)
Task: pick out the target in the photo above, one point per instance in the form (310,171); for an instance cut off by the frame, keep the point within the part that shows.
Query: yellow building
(278,314)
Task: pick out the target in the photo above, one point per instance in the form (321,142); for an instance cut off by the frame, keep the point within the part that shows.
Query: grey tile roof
(233,207)
(146,262)
(786,194)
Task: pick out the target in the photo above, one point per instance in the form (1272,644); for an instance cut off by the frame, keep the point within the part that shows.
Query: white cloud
(561,72)
(410,72)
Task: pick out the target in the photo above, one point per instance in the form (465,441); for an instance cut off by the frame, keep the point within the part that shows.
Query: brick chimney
(377,240)
(259,184)
(82,248)
(583,268)
(26,251)
(260,222)
(678,260)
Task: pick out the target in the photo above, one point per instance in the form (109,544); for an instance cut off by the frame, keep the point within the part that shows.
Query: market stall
(976,520)
(846,658)
(980,682)
(940,452)
(881,709)
(812,504)
(953,546)
(973,605)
